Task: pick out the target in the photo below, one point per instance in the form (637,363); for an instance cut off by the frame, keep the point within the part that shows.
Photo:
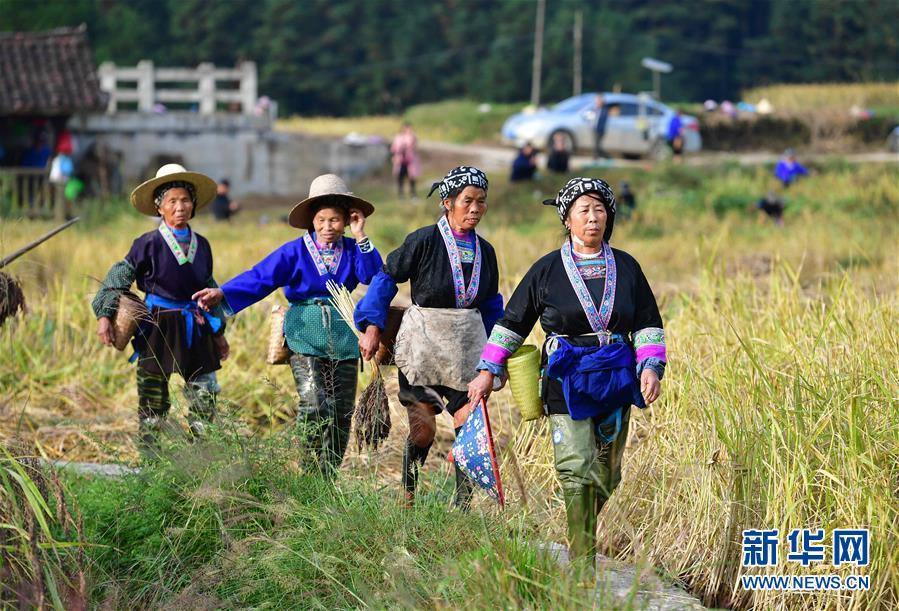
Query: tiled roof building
(48,73)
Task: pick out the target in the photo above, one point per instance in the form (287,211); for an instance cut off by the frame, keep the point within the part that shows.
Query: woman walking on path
(604,332)
(450,267)
(406,165)
(169,264)
(324,352)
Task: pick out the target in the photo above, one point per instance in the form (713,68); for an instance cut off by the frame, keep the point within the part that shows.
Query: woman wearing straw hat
(604,332)
(169,264)
(325,354)
(449,267)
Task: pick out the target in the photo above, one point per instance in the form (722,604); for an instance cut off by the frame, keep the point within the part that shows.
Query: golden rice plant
(780,409)
(825,96)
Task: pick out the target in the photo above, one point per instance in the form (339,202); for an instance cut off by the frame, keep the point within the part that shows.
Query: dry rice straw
(372,413)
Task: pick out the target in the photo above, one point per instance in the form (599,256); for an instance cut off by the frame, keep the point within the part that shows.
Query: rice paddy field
(458,121)
(780,409)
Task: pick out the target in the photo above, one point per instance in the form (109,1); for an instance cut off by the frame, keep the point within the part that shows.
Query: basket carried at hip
(278,353)
(524,381)
(130,313)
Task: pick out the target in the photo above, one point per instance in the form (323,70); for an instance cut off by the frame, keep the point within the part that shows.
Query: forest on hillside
(339,57)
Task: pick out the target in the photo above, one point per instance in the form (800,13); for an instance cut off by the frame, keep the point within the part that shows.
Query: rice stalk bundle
(372,413)
(12,299)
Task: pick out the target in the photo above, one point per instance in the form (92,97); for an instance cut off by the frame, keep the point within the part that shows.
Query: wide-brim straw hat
(326,189)
(142,196)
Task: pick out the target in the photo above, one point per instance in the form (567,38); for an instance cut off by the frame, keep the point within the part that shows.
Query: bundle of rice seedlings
(11,297)
(372,413)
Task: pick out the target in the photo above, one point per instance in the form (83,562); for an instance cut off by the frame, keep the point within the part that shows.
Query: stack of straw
(372,413)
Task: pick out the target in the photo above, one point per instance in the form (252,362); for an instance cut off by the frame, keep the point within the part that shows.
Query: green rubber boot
(580,509)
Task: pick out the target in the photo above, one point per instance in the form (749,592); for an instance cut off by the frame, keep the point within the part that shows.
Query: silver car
(637,125)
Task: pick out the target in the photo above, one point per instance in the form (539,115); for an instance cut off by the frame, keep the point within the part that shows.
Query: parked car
(893,140)
(637,125)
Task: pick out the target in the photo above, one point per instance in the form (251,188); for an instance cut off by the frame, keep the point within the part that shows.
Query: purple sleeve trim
(651,351)
(501,345)
(495,354)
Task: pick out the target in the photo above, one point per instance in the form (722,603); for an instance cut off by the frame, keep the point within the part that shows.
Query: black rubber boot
(153,407)
(413,458)
(464,491)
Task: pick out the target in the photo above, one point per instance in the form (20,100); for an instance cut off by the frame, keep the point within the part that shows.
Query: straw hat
(142,196)
(327,188)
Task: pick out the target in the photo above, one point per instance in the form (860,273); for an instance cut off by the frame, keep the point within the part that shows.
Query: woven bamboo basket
(278,352)
(130,312)
(388,336)
(524,380)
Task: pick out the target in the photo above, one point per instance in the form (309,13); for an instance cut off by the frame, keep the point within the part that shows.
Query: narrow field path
(627,584)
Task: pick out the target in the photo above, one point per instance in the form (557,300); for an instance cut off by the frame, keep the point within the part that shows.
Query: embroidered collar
(464,296)
(323,268)
(598,317)
(175,247)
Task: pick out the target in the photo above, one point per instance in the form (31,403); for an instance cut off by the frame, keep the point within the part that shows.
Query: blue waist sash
(597,381)
(189,310)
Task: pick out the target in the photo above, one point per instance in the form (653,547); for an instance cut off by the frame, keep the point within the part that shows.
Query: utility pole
(577,83)
(538,53)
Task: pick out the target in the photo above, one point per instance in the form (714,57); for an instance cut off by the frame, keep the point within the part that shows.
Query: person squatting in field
(452,268)
(604,332)
(324,352)
(169,264)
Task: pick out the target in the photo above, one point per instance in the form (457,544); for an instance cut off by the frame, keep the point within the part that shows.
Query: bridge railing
(29,192)
(204,87)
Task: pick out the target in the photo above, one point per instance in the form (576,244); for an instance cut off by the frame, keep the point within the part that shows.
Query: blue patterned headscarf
(459,178)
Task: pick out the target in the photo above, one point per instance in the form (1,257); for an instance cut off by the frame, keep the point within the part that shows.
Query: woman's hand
(105,331)
(370,342)
(650,386)
(480,387)
(357,224)
(222,347)
(208,298)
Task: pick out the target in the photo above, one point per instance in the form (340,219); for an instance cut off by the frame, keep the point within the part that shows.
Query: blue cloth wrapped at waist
(597,381)
(189,310)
